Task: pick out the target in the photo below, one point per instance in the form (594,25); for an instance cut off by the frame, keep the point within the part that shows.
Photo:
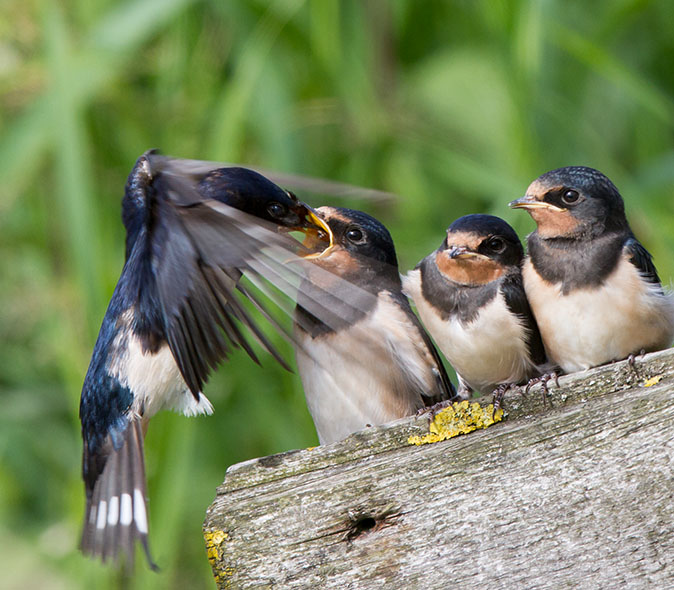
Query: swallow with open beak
(470,298)
(174,314)
(362,355)
(592,286)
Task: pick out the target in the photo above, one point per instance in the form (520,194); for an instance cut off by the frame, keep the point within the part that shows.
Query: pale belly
(590,327)
(372,373)
(155,380)
(488,351)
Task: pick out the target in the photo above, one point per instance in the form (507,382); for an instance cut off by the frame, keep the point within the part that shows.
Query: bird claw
(631,362)
(434,409)
(499,393)
(543,380)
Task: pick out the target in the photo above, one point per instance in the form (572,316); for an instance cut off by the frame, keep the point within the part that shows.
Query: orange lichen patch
(459,418)
(474,270)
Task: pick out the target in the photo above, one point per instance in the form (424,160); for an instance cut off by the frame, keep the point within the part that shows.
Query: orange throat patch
(477,270)
(554,224)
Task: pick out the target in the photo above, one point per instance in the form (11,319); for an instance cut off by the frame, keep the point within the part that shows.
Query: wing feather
(642,259)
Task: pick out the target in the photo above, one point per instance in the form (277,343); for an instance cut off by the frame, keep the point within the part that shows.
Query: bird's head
(479,249)
(573,202)
(254,194)
(359,246)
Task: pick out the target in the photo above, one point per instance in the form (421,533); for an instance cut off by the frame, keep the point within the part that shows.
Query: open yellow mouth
(318,236)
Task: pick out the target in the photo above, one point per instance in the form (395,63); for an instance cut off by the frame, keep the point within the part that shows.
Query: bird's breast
(593,325)
(152,377)
(353,377)
(489,349)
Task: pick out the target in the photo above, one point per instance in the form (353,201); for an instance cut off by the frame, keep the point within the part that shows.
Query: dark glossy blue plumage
(172,317)
(105,402)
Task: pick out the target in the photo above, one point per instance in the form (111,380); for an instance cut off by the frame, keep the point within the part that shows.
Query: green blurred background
(453,106)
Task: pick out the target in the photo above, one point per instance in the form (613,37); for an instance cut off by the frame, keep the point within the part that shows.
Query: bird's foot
(631,362)
(543,380)
(435,408)
(464,392)
(499,393)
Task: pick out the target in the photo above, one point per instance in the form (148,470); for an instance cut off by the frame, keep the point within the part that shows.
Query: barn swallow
(362,355)
(470,298)
(592,286)
(172,317)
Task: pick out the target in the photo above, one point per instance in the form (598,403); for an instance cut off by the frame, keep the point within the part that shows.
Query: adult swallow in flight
(363,357)
(173,316)
(470,298)
(592,286)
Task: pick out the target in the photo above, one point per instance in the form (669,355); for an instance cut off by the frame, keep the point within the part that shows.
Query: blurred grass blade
(132,23)
(600,61)
(226,133)
(73,188)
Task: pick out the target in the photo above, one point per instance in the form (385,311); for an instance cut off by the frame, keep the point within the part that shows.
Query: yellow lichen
(459,418)
(213,541)
(653,381)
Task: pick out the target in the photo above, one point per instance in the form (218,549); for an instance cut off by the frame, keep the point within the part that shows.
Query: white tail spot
(126,512)
(139,513)
(113,511)
(102,514)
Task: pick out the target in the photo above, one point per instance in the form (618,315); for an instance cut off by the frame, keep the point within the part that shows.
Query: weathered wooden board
(580,495)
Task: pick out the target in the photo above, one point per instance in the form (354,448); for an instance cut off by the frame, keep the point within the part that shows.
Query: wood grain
(578,493)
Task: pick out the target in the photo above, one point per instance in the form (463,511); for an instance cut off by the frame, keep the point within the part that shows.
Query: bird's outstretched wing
(445,388)
(199,246)
(296,182)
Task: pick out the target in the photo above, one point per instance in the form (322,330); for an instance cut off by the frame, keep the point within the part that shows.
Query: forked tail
(116,510)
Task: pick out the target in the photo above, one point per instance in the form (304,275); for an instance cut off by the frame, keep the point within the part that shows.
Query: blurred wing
(202,247)
(205,247)
(641,258)
(446,390)
(199,168)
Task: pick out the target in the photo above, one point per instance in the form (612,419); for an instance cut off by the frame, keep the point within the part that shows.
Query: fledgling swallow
(362,355)
(172,317)
(592,286)
(470,298)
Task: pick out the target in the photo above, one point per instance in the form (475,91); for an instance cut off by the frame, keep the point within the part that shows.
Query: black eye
(570,197)
(497,245)
(354,234)
(276,210)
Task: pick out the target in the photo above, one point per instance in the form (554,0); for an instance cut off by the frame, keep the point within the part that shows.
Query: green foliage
(454,106)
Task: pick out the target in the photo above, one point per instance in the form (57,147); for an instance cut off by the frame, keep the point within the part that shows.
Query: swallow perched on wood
(363,357)
(592,286)
(191,231)
(470,298)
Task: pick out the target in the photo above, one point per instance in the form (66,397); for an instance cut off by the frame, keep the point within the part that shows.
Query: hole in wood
(364,523)
(362,526)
